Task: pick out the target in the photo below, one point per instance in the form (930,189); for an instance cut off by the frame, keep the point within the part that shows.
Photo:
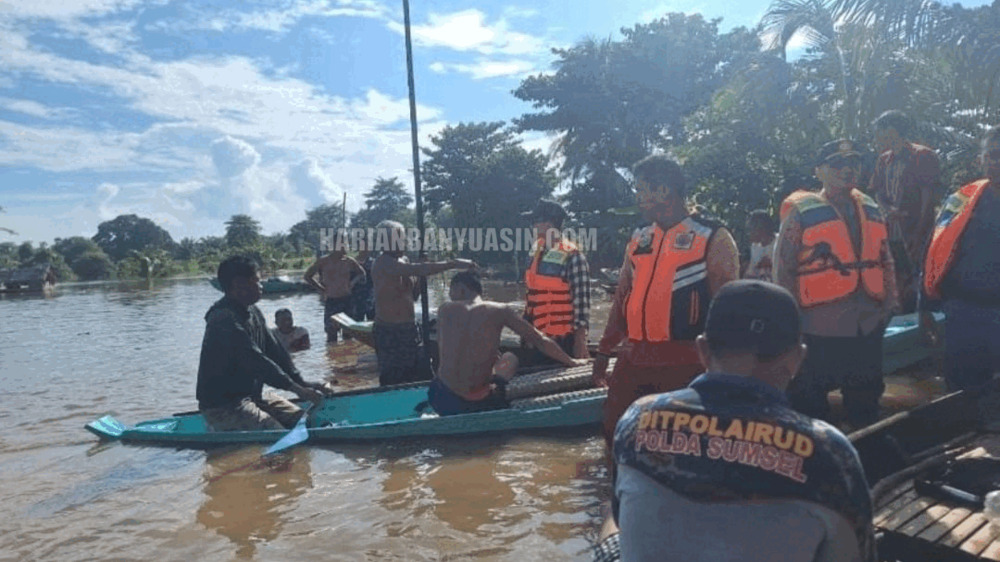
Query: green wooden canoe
(372,414)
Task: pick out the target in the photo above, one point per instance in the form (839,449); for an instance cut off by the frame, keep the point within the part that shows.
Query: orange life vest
(789,203)
(948,230)
(550,303)
(669,297)
(829,269)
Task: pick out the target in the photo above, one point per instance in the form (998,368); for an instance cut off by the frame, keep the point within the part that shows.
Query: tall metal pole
(424,304)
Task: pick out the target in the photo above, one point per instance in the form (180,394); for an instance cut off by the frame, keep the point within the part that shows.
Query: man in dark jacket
(239,354)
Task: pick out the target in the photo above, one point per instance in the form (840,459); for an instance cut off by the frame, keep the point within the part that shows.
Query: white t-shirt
(286,339)
(761,261)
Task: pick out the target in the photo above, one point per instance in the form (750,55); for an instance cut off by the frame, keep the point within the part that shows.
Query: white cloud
(278,19)
(307,176)
(468,31)
(26,107)
(233,156)
(488,68)
(64,9)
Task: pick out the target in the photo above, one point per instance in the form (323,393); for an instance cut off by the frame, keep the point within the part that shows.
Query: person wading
(397,343)
(670,272)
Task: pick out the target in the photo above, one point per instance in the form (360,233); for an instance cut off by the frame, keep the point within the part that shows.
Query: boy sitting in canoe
(473,375)
(239,354)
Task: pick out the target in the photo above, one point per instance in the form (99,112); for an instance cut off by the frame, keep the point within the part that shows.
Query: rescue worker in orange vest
(833,256)
(672,268)
(962,269)
(558,282)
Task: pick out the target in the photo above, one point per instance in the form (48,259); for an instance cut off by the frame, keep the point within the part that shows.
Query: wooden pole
(418,198)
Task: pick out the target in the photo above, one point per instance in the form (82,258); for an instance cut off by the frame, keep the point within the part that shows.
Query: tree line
(742,117)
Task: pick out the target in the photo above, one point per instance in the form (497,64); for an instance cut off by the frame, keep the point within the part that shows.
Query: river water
(131,350)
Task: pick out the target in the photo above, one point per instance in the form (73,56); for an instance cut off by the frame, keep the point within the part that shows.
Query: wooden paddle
(297,435)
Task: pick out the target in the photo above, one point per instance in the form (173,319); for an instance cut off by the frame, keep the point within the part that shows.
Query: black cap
(751,315)
(548,211)
(837,149)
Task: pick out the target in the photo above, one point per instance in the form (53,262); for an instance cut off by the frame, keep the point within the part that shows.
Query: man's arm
(403,269)
(537,340)
(786,253)
(356,273)
(929,178)
(310,276)
(578,276)
(722,260)
(616,329)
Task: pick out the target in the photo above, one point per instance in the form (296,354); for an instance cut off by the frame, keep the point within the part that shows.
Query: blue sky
(187,112)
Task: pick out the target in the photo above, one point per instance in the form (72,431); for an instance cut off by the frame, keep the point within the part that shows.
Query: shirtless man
(335,271)
(396,341)
(471,378)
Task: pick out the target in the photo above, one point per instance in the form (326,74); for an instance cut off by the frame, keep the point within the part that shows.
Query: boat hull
(384,413)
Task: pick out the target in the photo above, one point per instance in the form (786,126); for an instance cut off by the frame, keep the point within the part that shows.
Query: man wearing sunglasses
(963,269)
(833,255)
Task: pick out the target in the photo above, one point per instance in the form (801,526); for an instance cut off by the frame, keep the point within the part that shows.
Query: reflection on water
(132,349)
(246,505)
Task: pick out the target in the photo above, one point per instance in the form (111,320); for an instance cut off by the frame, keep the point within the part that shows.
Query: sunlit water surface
(131,350)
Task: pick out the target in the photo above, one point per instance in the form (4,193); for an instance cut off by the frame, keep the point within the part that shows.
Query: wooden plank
(981,539)
(992,551)
(925,519)
(896,504)
(894,494)
(963,531)
(906,513)
(942,526)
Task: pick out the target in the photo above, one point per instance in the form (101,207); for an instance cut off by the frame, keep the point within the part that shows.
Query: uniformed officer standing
(832,254)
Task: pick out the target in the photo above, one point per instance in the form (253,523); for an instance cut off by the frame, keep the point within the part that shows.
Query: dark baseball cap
(755,316)
(838,149)
(546,210)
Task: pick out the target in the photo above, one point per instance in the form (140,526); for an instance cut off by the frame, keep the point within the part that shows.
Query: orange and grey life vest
(789,203)
(550,302)
(669,297)
(951,223)
(829,269)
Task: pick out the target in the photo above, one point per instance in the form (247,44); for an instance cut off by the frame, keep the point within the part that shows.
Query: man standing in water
(472,375)
(397,343)
(671,271)
(239,354)
(335,270)
(725,469)
(833,255)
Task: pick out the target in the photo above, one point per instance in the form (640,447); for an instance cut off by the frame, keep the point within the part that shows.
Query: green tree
(93,266)
(75,246)
(242,231)
(482,177)
(125,233)
(305,235)
(388,199)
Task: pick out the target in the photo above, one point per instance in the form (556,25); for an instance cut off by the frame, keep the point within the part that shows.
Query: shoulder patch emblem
(684,241)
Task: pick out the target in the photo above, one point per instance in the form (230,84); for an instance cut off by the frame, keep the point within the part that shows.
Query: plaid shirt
(576,272)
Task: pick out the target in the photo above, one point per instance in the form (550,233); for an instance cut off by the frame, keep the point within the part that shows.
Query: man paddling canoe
(239,354)
(472,374)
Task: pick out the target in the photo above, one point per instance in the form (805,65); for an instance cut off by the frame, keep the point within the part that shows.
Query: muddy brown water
(131,350)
